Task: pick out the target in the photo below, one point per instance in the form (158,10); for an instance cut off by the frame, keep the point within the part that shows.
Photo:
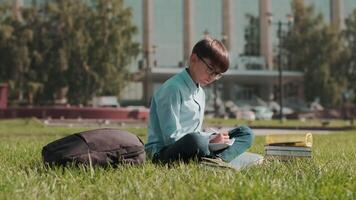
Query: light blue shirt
(177,108)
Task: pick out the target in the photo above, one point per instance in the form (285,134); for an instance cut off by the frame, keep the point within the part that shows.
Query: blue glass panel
(136,6)
(321,6)
(168,31)
(207,16)
(280,9)
(242,8)
(349,7)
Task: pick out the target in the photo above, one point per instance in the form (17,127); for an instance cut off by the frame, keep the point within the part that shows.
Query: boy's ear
(193,58)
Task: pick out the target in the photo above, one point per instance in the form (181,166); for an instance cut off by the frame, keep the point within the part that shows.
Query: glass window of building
(168,32)
(349,7)
(136,7)
(207,19)
(245,26)
(321,6)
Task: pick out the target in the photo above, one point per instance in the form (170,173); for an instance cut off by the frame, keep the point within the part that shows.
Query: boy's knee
(197,143)
(250,136)
(245,132)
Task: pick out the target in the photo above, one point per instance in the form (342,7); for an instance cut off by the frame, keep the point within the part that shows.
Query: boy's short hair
(215,51)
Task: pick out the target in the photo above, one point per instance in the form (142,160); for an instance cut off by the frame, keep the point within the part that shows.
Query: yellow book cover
(298,140)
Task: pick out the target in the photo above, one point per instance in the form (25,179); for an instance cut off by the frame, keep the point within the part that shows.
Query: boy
(177,111)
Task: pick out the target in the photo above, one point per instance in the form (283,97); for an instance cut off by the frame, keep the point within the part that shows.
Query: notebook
(221,146)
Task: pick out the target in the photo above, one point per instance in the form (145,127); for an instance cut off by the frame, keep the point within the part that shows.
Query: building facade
(170,29)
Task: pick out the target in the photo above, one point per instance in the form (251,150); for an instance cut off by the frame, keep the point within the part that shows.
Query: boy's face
(203,72)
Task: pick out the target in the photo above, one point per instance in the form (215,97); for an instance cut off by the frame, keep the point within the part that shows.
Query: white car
(263,112)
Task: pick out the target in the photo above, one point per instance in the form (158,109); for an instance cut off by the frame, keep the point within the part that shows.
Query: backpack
(100,147)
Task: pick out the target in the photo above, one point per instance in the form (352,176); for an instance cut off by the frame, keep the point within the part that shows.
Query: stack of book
(289,146)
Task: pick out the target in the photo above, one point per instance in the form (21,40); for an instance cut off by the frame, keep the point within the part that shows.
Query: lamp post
(148,64)
(280,25)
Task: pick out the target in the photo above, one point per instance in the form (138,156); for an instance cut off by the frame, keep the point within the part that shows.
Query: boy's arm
(168,112)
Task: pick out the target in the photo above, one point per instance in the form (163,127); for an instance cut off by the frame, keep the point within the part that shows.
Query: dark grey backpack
(100,147)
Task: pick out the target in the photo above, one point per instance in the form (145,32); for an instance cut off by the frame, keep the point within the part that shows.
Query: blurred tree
(67,52)
(317,50)
(112,48)
(252,36)
(93,45)
(350,61)
(67,48)
(15,37)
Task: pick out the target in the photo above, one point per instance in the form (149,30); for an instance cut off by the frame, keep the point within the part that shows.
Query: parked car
(105,101)
(262,112)
(233,111)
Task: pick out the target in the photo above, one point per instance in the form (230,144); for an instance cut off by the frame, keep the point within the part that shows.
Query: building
(170,29)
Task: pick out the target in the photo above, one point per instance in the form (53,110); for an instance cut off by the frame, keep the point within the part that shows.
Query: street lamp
(149,61)
(280,25)
(206,33)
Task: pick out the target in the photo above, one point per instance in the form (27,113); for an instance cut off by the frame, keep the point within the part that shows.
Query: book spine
(288,153)
(287,148)
(300,140)
(285,158)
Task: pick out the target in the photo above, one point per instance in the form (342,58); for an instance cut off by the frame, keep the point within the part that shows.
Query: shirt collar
(189,81)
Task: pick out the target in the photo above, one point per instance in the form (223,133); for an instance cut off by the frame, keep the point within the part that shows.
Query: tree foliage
(316,49)
(350,62)
(252,36)
(67,48)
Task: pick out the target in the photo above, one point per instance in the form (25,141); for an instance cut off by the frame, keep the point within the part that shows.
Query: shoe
(216,162)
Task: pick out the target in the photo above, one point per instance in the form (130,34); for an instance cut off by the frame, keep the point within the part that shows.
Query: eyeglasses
(210,69)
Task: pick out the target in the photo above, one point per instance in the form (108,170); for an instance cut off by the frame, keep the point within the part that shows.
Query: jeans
(195,146)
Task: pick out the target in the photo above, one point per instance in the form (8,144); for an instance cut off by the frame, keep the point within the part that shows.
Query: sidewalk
(258,131)
(285,131)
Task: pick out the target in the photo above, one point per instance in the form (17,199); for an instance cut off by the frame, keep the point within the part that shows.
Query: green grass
(331,174)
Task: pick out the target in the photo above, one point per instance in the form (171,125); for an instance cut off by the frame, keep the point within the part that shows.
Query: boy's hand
(221,137)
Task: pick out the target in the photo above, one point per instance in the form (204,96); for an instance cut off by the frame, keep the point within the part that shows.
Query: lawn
(330,174)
